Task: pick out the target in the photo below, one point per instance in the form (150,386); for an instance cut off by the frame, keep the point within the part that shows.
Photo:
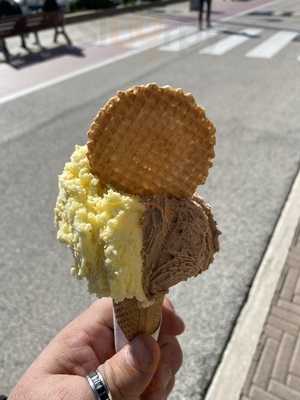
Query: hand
(144,369)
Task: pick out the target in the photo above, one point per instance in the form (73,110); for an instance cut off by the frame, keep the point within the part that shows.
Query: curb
(232,372)
(95,14)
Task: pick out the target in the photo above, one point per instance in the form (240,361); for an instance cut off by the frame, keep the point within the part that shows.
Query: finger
(97,324)
(98,313)
(170,386)
(157,388)
(83,344)
(171,353)
(172,324)
(130,371)
(170,361)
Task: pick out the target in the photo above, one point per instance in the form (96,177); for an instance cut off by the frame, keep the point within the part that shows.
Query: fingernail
(140,353)
(171,305)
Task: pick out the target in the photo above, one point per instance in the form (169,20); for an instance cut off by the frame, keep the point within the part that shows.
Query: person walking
(48,7)
(208,11)
(9,8)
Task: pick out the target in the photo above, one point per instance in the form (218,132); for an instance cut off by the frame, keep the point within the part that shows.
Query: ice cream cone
(127,204)
(133,319)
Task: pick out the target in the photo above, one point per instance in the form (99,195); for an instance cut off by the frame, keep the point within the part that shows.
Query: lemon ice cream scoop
(103,229)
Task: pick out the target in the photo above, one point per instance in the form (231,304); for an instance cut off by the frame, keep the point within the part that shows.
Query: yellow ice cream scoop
(103,229)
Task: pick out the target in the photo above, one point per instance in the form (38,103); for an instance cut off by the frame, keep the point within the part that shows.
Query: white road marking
(189,41)
(130,34)
(273,45)
(230,42)
(163,37)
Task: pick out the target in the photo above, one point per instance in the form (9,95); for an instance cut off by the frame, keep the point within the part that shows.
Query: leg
(37,39)
(68,40)
(55,34)
(23,42)
(201,4)
(208,13)
(63,32)
(5,50)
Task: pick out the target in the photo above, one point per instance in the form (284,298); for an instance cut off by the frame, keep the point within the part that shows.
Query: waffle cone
(152,140)
(134,319)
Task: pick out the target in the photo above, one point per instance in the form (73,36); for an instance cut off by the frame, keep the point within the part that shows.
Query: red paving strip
(275,369)
(54,63)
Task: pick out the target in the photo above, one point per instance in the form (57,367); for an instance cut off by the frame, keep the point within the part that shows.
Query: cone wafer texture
(134,319)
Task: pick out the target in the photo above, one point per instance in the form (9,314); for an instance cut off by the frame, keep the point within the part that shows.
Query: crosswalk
(265,43)
(189,41)
(125,35)
(164,37)
(230,42)
(272,45)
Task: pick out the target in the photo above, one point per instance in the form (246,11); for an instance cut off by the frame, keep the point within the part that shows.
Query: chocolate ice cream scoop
(180,238)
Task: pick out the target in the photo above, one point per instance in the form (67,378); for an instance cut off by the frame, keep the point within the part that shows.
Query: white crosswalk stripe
(125,35)
(273,45)
(163,37)
(230,42)
(180,38)
(189,41)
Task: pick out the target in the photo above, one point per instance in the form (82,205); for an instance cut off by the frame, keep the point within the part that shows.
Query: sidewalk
(262,358)
(275,370)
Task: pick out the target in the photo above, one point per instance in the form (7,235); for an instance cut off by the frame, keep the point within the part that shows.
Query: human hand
(143,369)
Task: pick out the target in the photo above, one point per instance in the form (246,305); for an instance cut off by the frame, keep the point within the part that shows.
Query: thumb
(130,371)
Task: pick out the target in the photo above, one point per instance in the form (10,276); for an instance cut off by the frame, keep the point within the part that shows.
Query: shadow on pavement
(250,36)
(283,14)
(45,54)
(262,26)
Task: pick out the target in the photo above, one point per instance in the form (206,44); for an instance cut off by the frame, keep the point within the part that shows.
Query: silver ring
(98,386)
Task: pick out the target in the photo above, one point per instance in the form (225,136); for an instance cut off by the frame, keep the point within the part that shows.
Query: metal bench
(22,25)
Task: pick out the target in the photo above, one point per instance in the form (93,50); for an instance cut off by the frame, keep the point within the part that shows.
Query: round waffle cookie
(152,140)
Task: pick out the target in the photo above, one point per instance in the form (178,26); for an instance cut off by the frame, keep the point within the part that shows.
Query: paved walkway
(275,369)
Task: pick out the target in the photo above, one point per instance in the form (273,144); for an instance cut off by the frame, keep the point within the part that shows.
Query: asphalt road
(254,103)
